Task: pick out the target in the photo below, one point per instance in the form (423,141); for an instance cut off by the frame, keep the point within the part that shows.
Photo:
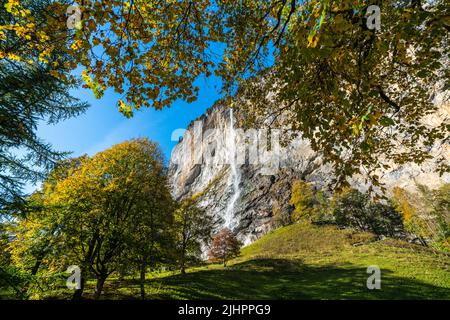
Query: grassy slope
(313,262)
(302,262)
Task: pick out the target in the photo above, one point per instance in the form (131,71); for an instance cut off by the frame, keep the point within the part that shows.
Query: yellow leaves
(42,36)
(369,119)
(77,44)
(2,36)
(125,109)
(43,59)
(12,6)
(356,125)
(313,39)
(319,13)
(402,204)
(302,199)
(94,85)
(11,56)
(25,28)
(15,8)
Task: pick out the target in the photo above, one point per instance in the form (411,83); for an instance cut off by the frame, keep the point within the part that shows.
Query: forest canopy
(354,91)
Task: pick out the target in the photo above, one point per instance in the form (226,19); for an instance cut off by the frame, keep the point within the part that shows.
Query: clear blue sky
(102,125)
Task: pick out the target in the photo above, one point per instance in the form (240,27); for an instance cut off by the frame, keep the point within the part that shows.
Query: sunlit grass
(309,262)
(301,261)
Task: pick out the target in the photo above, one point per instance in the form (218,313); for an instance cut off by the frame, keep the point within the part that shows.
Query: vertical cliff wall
(248,175)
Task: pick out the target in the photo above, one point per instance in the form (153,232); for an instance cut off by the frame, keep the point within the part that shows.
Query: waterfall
(235,176)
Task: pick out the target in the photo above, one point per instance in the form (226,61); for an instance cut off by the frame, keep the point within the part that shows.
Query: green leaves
(386,121)
(94,85)
(125,109)
(326,87)
(98,213)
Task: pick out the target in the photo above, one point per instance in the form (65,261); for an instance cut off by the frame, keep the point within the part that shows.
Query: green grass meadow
(304,261)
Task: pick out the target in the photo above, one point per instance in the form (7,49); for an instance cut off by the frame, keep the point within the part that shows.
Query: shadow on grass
(288,279)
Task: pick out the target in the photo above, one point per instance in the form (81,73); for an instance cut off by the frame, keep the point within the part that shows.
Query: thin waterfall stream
(235,176)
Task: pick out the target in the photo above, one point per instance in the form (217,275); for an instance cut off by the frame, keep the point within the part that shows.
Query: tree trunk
(99,286)
(142,278)
(34,271)
(77,295)
(182,262)
(37,264)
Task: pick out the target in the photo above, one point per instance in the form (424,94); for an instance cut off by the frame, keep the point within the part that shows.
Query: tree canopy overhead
(359,95)
(348,88)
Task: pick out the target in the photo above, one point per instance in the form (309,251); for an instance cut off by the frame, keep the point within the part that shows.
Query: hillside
(302,261)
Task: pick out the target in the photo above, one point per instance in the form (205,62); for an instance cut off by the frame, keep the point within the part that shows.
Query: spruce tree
(33,90)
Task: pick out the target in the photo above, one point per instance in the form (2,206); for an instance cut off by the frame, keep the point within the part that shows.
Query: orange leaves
(143,48)
(76,45)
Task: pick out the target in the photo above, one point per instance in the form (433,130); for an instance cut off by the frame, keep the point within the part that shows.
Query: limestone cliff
(247,185)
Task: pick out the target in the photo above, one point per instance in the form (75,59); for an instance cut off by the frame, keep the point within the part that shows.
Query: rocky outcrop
(248,182)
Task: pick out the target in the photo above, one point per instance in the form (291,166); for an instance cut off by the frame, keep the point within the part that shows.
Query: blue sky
(103,125)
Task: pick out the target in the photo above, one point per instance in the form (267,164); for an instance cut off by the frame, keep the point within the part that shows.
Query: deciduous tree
(95,211)
(355,92)
(193,231)
(224,247)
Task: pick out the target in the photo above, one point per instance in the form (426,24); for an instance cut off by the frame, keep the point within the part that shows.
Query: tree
(91,214)
(151,236)
(426,214)
(224,247)
(352,208)
(356,93)
(31,91)
(193,231)
(308,203)
(11,277)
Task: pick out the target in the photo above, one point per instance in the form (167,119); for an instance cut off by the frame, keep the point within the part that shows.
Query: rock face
(246,182)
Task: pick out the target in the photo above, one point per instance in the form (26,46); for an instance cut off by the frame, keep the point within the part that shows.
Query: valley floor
(306,262)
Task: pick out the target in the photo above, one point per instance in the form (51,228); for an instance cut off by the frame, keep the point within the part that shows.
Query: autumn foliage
(224,247)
